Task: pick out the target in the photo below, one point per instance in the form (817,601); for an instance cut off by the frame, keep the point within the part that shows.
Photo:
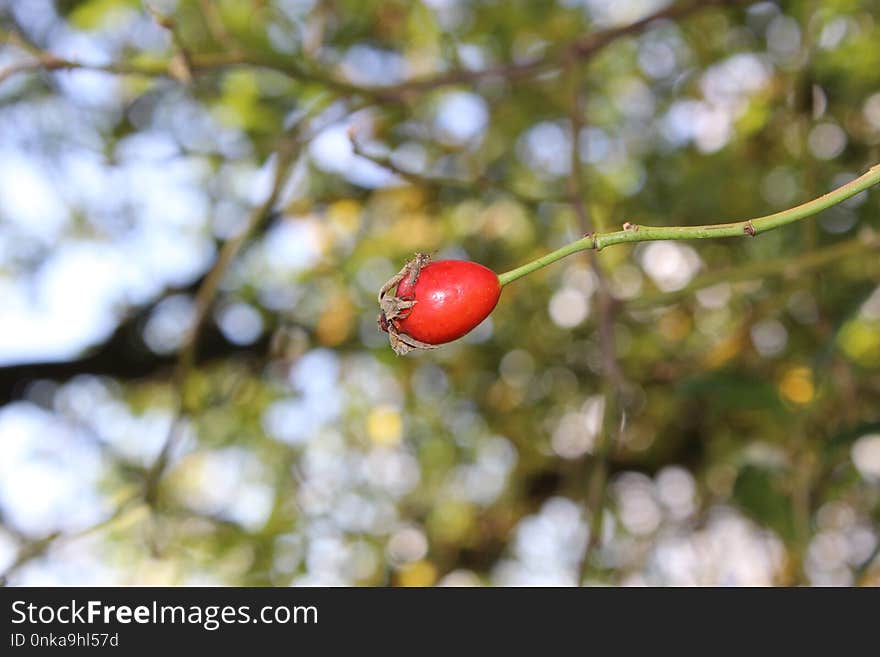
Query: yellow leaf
(385,425)
(94,14)
(451,521)
(675,325)
(335,323)
(345,216)
(418,573)
(797,385)
(860,341)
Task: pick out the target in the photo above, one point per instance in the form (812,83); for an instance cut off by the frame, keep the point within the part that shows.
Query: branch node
(749,229)
(165,22)
(630,226)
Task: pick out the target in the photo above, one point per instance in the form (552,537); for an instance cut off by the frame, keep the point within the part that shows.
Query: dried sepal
(393,308)
(401,343)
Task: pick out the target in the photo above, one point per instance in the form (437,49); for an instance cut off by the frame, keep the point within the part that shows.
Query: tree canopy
(200,199)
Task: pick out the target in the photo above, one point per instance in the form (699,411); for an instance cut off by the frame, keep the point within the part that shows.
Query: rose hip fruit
(452,297)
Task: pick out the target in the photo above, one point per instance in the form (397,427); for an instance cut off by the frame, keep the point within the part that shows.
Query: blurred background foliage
(669,413)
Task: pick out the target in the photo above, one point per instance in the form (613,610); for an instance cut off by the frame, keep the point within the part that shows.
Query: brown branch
(581,48)
(204,301)
(195,63)
(122,356)
(37,547)
(181,65)
(612,382)
(476,186)
(216,27)
(862,571)
(207,292)
(47,61)
(590,44)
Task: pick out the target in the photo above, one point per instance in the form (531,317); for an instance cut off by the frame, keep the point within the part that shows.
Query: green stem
(749,227)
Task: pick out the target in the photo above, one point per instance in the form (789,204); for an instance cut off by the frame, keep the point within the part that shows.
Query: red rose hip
(436,302)
(452,297)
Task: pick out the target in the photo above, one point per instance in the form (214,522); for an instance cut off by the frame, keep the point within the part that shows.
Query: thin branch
(581,48)
(48,62)
(476,186)
(594,501)
(45,60)
(575,183)
(590,44)
(788,267)
(748,228)
(195,63)
(36,548)
(862,570)
(207,292)
(181,65)
(217,28)
(388,164)
(31,550)
(204,302)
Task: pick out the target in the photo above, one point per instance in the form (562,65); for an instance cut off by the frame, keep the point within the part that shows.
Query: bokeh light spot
(796,385)
(385,425)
